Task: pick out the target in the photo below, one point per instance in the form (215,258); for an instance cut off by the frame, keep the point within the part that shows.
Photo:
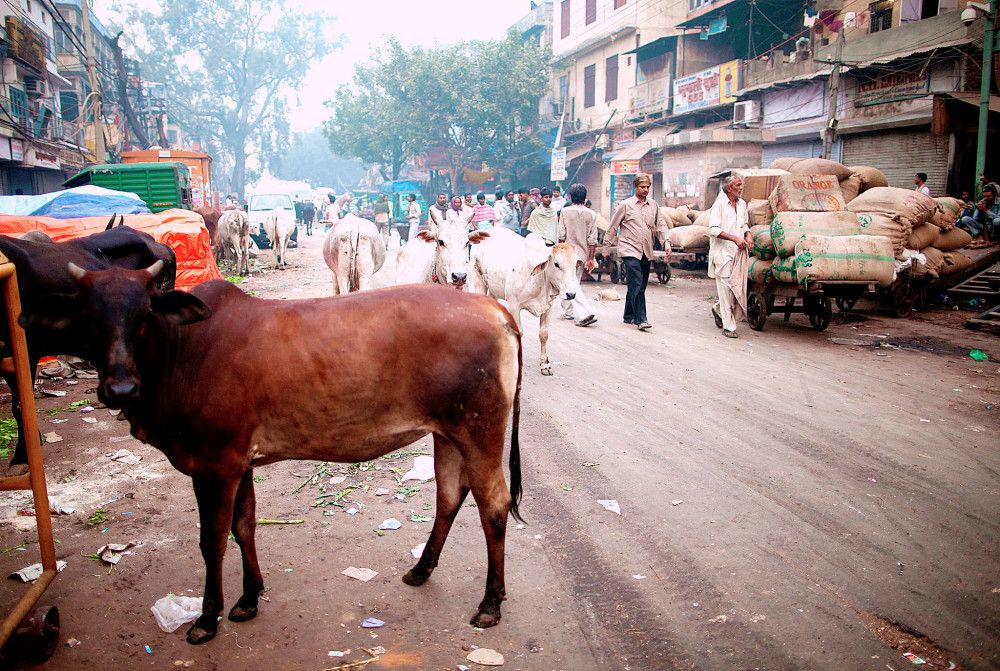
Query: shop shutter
(590,177)
(901,155)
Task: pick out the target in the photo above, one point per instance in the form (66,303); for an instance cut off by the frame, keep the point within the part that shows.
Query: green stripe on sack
(849,256)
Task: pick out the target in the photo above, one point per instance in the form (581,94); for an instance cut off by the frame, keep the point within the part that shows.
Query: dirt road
(786,503)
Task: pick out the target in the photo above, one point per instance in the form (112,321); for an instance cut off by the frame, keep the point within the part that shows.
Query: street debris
(113,552)
(851,341)
(420,518)
(89,420)
(34,572)
(423,469)
(362,574)
(607,295)
(52,437)
(390,524)
(978,355)
(372,623)
(336,480)
(126,457)
(72,642)
(172,611)
(719,619)
(57,508)
(262,521)
(612,505)
(338,653)
(87,408)
(485,657)
(52,392)
(639,576)
(913,658)
(418,551)
(382,491)
(677,502)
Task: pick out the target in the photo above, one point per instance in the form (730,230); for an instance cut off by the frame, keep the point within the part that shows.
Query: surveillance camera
(968,16)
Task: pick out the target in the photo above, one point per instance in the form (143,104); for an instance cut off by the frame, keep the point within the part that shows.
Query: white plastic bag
(172,611)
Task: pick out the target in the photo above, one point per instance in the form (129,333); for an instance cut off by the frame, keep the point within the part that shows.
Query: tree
(310,160)
(228,66)
(477,101)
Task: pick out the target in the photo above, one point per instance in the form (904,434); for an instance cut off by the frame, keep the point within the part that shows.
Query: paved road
(786,503)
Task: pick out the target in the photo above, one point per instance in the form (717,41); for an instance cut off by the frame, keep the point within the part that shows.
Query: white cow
(527,275)
(354,251)
(278,227)
(234,233)
(439,255)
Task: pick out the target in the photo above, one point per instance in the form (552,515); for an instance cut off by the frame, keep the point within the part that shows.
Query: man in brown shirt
(633,225)
(578,227)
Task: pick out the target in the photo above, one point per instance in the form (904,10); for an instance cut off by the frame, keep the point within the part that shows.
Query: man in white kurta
(728,255)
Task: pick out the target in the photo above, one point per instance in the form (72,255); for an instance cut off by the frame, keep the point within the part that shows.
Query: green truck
(162,186)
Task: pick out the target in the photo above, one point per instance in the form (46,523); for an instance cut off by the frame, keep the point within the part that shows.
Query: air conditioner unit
(36,87)
(743,112)
(603,140)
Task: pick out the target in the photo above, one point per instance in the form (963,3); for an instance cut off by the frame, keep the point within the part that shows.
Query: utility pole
(830,133)
(100,153)
(984,88)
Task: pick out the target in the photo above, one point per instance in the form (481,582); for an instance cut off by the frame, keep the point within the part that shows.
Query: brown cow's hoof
(242,613)
(483,619)
(415,579)
(197,635)
(14,470)
(546,370)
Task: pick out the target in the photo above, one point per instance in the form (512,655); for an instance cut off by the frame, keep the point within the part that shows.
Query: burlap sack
(759,270)
(701,218)
(935,260)
(912,205)
(922,236)
(783,270)
(870,177)
(760,212)
(788,227)
(820,166)
(894,227)
(949,211)
(689,237)
(783,163)
(665,213)
(954,262)
(763,245)
(807,193)
(850,187)
(853,257)
(675,217)
(758,183)
(956,238)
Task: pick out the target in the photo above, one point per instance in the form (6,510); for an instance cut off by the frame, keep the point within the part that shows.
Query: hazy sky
(366,24)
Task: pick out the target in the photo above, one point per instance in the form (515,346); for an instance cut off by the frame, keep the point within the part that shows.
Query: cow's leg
(543,340)
(19,462)
(244,527)
(452,488)
(485,470)
(216,496)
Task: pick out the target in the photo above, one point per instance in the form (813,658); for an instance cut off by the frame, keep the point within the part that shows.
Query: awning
(822,72)
(655,48)
(579,151)
(643,144)
(887,122)
(974,100)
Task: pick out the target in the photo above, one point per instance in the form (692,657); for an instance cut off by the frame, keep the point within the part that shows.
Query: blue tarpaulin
(81,201)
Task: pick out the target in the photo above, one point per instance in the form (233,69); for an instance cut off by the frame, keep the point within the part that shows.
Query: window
(564,20)
(18,103)
(591,13)
(563,88)
(69,103)
(619,4)
(589,74)
(611,79)
(881,15)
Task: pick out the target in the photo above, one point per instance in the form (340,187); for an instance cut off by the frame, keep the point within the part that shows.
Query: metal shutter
(805,149)
(901,155)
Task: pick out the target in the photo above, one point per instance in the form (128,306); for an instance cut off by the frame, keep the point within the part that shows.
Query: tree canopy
(229,66)
(475,102)
(309,159)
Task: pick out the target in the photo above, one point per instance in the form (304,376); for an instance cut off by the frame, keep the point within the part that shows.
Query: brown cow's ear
(540,268)
(180,308)
(478,236)
(426,236)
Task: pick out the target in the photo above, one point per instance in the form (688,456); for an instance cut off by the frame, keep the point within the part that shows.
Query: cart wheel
(846,304)
(820,312)
(902,299)
(664,276)
(44,633)
(613,272)
(756,310)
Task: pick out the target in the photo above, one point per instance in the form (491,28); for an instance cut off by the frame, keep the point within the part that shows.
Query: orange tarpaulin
(183,231)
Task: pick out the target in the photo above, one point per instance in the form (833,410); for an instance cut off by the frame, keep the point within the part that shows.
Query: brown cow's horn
(76,271)
(155,269)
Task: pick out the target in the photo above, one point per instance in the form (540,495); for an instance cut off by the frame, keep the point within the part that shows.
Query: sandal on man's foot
(729,334)
(644,326)
(587,321)
(717,318)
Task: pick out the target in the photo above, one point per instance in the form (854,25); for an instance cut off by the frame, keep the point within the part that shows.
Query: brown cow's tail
(515,451)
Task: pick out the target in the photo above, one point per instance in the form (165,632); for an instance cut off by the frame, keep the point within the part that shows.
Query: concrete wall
(652,18)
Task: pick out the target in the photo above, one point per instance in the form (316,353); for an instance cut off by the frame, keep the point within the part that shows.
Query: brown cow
(211,217)
(346,378)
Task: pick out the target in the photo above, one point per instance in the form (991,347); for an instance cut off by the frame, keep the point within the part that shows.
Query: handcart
(901,298)
(688,259)
(42,628)
(607,262)
(815,301)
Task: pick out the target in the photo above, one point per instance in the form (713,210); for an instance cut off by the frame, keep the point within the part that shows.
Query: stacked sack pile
(804,230)
(688,228)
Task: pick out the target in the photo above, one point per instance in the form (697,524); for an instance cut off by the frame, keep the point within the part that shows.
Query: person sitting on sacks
(983,225)
(728,256)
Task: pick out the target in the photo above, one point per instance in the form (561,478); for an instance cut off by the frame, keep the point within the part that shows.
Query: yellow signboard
(729,81)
